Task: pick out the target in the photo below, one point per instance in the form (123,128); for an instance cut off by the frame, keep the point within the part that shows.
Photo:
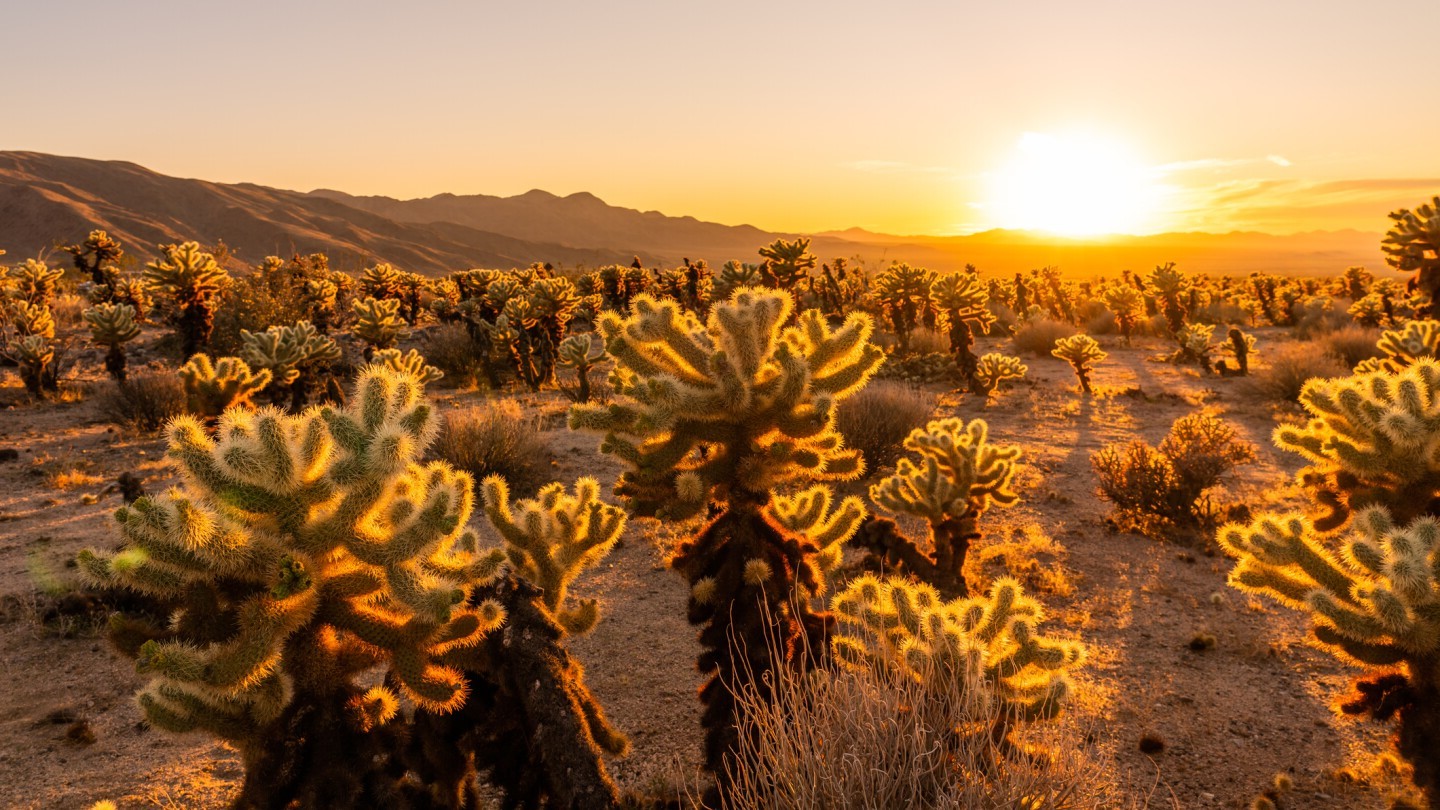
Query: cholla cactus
(577,352)
(35,357)
(1170,286)
(995,368)
(1370,310)
(382,281)
(1374,598)
(903,293)
(96,257)
(958,477)
(213,387)
(809,514)
(735,275)
(1193,344)
(1128,305)
(553,537)
(1355,283)
(986,649)
(303,551)
(411,363)
(291,354)
(1413,245)
(28,319)
(728,411)
(35,282)
(964,308)
(1241,347)
(787,264)
(1402,347)
(378,323)
(188,280)
(112,326)
(1370,440)
(1082,353)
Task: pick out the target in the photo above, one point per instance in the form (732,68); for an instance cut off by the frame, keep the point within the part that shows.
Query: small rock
(9,454)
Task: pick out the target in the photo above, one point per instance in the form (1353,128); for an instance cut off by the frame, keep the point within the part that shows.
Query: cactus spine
(727,411)
(213,387)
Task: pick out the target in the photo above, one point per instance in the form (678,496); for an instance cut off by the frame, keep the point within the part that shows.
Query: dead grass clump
(1038,336)
(144,401)
(496,437)
(1288,368)
(1352,344)
(450,348)
(883,740)
(1156,488)
(877,419)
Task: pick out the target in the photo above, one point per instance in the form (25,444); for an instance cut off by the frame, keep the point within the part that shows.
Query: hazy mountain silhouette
(47,200)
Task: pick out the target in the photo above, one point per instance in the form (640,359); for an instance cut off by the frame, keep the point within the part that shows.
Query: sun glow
(1073,185)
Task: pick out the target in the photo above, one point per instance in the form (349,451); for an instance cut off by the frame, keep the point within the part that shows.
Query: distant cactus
(36,282)
(96,257)
(1082,353)
(986,649)
(1169,286)
(378,323)
(35,357)
(188,280)
(335,552)
(727,412)
(1128,305)
(411,363)
(995,368)
(956,476)
(964,309)
(291,354)
(576,352)
(787,264)
(903,293)
(112,326)
(1193,345)
(213,387)
(27,319)
(1240,346)
(733,276)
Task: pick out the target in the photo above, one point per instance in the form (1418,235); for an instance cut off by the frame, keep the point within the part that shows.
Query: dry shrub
(876,419)
(144,401)
(1351,344)
(495,438)
(1038,336)
(883,740)
(450,348)
(67,309)
(1101,322)
(927,341)
(1288,368)
(1154,488)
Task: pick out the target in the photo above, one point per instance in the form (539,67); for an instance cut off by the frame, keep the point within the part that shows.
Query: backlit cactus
(303,551)
(1412,245)
(787,264)
(214,386)
(1128,305)
(964,309)
(36,282)
(809,515)
(112,326)
(410,363)
(725,412)
(1193,344)
(34,355)
(578,353)
(956,475)
(1403,346)
(27,319)
(986,651)
(1170,288)
(291,354)
(377,323)
(188,281)
(995,368)
(1082,353)
(903,293)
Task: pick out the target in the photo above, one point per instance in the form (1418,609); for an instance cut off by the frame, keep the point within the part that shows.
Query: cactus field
(274,534)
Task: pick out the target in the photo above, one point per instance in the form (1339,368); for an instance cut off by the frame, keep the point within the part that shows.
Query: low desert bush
(496,437)
(450,348)
(1352,344)
(1289,367)
(1038,337)
(145,401)
(877,419)
(1156,488)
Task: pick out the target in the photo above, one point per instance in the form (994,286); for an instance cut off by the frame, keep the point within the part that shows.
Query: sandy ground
(1230,718)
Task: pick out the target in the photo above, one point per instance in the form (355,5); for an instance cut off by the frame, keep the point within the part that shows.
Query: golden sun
(1073,185)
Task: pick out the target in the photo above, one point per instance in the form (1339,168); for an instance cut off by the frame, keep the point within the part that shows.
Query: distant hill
(47,200)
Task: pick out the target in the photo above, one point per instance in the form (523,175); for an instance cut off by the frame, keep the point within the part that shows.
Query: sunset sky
(935,118)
